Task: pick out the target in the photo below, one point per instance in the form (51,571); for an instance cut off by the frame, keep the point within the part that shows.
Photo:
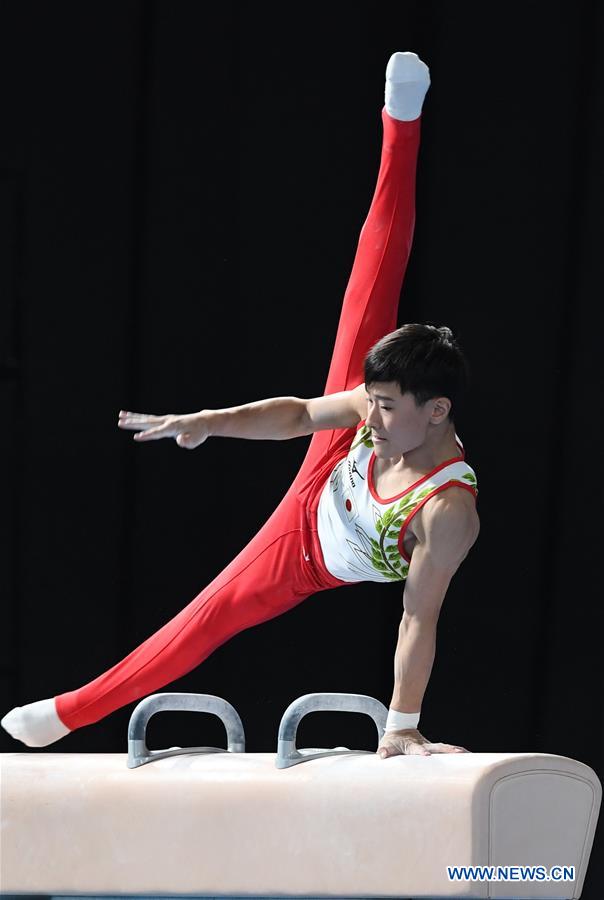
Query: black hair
(424,359)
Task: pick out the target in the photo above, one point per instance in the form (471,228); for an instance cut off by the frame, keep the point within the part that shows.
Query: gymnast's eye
(381,407)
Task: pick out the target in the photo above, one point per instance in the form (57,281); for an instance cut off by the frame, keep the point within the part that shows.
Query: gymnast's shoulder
(449,522)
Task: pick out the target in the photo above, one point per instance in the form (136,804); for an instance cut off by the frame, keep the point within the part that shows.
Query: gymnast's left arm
(450,528)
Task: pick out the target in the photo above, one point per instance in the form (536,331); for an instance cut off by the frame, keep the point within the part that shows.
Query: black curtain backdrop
(182,190)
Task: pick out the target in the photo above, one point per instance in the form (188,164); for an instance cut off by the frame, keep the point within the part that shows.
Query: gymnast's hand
(408,741)
(190,430)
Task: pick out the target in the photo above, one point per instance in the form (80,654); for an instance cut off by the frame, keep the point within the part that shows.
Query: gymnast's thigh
(272,572)
(276,570)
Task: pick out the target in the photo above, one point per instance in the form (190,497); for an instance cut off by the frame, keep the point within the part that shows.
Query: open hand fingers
(134,421)
(402,744)
(153,434)
(150,426)
(446,748)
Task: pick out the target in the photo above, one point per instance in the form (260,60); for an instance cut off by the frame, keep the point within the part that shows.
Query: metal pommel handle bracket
(139,753)
(288,755)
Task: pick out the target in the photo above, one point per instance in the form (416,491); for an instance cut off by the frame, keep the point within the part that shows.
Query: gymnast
(384,492)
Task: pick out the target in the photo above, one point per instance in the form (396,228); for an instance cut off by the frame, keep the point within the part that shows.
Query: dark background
(182,188)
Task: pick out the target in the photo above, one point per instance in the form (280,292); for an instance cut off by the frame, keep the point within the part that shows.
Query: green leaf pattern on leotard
(363,436)
(382,553)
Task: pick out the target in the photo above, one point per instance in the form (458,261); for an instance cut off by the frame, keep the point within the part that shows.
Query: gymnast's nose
(372,420)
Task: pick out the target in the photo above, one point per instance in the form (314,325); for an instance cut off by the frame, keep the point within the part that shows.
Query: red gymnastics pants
(283,564)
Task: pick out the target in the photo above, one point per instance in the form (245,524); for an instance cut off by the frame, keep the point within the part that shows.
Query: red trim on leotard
(377,497)
(437,490)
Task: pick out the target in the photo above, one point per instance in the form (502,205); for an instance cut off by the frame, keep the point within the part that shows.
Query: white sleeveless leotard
(360,533)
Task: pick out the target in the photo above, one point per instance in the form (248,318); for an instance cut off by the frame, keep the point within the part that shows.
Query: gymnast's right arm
(275,419)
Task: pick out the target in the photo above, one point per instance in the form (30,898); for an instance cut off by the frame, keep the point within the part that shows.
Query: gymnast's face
(396,419)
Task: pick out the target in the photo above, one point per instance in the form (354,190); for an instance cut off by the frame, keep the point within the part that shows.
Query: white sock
(407,82)
(36,724)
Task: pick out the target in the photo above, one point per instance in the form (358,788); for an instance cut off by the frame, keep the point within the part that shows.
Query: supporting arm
(450,528)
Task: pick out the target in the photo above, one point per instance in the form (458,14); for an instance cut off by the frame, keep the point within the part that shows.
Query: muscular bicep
(450,529)
(344,409)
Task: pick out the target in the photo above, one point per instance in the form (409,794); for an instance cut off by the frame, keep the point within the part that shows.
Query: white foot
(407,82)
(36,724)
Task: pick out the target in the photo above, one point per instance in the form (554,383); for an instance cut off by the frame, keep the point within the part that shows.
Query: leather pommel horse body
(210,822)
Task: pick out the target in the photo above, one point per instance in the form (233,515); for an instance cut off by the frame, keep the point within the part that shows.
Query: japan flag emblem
(350,506)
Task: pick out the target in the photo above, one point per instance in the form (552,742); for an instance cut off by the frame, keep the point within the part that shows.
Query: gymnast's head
(415,378)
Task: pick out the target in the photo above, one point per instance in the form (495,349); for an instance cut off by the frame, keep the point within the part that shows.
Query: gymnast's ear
(440,409)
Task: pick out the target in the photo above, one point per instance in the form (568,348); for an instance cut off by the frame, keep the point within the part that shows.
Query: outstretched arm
(275,419)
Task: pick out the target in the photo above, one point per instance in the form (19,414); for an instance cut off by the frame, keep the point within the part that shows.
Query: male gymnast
(384,492)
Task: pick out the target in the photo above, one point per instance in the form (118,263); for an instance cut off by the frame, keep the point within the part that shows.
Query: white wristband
(398,720)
